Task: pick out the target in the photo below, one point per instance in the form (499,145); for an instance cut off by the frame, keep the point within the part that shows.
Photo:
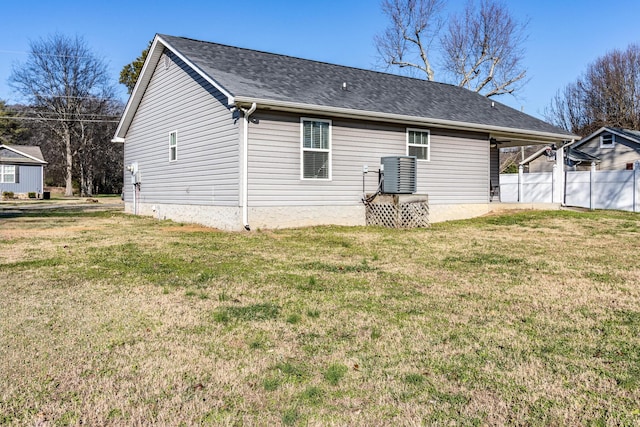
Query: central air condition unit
(399,174)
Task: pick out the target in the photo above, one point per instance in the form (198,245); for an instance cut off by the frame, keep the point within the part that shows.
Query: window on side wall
(315,149)
(419,143)
(8,174)
(607,140)
(173,146)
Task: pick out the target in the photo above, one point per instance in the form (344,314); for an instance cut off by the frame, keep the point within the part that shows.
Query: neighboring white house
(21,169)
(236,138)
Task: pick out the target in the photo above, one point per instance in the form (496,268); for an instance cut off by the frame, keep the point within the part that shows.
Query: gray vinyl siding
(29,180)
(615,158)
(206,171)
(458,171)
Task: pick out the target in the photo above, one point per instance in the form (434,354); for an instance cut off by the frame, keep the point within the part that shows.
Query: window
(8,174)
(173,146)
(418,143)
(607,140)
(316,149)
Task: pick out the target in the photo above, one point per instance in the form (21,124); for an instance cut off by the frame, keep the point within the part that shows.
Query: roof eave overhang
(153,57)
(494,131)
(35,159)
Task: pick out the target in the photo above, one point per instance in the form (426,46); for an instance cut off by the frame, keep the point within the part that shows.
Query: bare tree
(608,94)
(95,146)
(481,49)
(413,28)
(62,80)
(567,109)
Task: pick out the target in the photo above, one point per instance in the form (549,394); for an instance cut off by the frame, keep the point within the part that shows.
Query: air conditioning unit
(399,174)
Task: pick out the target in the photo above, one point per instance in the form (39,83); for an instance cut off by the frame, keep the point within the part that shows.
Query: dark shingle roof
(632,135)
(629,134)
(576,155)
(21,154)
(250,73)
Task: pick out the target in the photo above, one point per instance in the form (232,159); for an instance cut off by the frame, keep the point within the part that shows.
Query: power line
(46,119)
(17,52)
(50,113)
(97,98)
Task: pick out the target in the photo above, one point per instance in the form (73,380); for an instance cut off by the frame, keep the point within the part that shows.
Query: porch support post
(554,180)
(520,183)
(560,177)
(636,185)
(592,176)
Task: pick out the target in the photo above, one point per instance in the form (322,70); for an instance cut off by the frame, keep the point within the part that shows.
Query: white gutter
(245,165)
(400,118)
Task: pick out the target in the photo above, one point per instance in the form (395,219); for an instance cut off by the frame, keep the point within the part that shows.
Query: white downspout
(245,165)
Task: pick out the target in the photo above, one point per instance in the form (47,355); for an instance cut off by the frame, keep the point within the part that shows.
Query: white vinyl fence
(588,189)
(535,188)
(604,190)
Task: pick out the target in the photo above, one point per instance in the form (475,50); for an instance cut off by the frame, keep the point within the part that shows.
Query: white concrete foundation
(230,218)
(440,213)
(222,217)
(305,216)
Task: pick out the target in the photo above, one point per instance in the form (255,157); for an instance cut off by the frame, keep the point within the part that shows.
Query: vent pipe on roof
(245,165)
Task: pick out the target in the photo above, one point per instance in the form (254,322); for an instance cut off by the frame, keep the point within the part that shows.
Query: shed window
(316,149)
(8,174)
(173,146)
(418,143)
(607,140)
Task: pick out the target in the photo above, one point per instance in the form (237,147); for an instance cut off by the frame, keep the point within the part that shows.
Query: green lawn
(529,318)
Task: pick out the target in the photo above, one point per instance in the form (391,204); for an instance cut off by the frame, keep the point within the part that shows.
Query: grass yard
(531,318)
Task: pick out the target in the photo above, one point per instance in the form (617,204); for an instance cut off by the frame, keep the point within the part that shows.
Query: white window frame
(428,144)
(323,150)
(173,146)
(609,145)
(3,173)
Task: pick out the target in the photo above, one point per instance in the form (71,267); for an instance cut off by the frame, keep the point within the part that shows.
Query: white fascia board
(153,57)
(587,138)
(155,51)
(500,131)
(622,135)
(23,154)
(533,156)
(607,129)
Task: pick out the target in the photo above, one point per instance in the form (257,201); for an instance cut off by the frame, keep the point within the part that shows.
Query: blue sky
(564,36)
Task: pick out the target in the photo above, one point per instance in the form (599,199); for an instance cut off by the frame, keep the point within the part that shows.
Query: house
(614,149)
(21,169)
(544,159)
(237,138)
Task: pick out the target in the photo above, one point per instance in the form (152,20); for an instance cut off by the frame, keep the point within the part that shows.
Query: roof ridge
(264,52)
